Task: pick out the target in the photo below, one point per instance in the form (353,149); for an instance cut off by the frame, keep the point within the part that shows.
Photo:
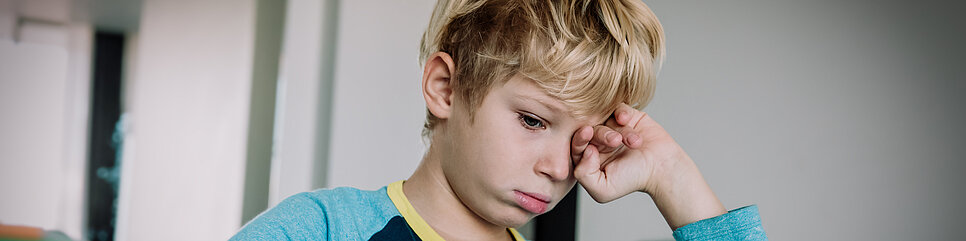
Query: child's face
(513,162)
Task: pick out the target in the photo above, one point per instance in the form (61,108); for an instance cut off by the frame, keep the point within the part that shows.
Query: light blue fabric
(739,224)
(326,214)
(353,214)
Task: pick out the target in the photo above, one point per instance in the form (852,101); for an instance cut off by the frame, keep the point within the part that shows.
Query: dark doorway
(103,171)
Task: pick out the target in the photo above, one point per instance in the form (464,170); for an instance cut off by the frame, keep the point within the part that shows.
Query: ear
(437,88)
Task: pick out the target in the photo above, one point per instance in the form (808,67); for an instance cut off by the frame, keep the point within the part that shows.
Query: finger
(631,138)
(606,139)
(621,116)
(625,121)
(588,171)
(590,174)
(626,115)
(579,142)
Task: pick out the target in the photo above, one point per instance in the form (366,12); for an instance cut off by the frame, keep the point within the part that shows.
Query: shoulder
(313,215)
(347,201)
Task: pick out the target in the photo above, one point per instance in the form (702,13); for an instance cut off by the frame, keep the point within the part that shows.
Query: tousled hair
(590,54)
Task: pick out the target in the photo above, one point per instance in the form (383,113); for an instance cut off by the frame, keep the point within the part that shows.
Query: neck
(433,198)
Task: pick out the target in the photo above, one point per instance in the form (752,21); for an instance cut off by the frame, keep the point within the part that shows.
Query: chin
(515,223)
(515,217)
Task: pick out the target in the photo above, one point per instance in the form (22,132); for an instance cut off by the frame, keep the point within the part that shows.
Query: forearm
(684,196)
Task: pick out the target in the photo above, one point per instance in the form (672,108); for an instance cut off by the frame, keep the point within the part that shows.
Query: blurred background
(182,120)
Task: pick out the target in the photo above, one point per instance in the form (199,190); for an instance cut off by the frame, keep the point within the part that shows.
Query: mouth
(532,202)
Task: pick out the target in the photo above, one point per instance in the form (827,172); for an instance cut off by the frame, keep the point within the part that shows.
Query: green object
(48,236)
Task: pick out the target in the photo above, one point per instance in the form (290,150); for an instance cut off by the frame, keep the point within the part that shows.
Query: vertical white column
(304,90)
(190,102)
(77,127)
(268,41)
(44,100)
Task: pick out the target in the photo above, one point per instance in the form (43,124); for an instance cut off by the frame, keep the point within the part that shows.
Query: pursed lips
(532,202)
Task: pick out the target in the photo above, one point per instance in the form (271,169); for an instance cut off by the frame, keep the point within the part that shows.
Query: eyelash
(524,118)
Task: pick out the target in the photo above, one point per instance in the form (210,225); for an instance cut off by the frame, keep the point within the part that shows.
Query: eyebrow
(549,106)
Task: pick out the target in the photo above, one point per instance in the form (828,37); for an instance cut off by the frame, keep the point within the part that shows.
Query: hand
(622,156)
(631,152)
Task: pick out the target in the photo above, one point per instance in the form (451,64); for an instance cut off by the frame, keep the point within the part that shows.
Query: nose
(555,161)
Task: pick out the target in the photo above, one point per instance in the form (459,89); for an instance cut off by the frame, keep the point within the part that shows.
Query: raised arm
(633,153)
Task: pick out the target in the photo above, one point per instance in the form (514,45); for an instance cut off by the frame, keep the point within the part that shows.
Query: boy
(524,99)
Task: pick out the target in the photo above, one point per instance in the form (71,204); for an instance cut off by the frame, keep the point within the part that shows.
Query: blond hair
(592,55)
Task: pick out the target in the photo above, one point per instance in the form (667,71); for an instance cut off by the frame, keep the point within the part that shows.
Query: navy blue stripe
(395,230)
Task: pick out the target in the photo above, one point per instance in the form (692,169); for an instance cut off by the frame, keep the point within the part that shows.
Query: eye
(531,122)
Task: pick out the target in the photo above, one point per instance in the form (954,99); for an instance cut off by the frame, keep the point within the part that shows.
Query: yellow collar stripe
(405,208)
(422,229)
(516,235)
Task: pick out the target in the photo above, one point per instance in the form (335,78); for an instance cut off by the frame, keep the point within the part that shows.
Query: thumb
(588,169)
(590,175)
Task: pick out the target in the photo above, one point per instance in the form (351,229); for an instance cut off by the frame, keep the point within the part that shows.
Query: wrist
(672,170)
(682,195)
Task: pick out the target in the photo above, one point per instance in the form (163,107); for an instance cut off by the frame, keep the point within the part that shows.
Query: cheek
(506,150)
(489,150)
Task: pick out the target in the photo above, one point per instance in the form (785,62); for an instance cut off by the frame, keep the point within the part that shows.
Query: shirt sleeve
(739,224)
(299,217)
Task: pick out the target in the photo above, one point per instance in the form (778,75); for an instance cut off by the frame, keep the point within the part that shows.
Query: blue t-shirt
(386,214)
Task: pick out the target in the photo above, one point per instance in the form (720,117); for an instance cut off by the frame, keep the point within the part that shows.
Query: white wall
(189,102)
(32,192)
(44,84)
(378,111)
(842,120)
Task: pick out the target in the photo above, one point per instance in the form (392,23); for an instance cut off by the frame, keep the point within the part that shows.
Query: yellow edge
(422,229)
(516,235)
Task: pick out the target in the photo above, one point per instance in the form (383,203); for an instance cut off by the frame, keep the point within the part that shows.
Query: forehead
(524,89)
